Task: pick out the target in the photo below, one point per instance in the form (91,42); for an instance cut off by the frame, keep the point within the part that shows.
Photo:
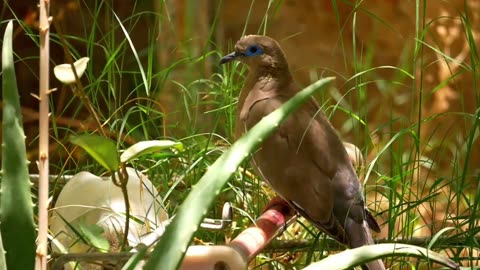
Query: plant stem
(122,183)
(77,88)
(41,254)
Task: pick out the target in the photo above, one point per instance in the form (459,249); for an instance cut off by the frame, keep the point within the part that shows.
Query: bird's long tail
(359,235)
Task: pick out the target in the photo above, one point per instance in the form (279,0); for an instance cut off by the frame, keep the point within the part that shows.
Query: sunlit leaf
(147,147)
(101,149)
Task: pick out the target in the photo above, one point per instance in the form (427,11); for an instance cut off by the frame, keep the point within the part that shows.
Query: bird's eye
(254,50)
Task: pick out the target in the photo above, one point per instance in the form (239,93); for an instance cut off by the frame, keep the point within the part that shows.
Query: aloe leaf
(16,207)
(147,147)
(358,256)
(169,251)
(3,263)
(101,149)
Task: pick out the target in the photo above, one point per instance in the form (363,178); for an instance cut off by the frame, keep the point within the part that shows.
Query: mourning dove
(304,161)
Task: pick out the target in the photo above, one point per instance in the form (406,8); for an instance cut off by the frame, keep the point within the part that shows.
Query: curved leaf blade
(148,147)
(358,256)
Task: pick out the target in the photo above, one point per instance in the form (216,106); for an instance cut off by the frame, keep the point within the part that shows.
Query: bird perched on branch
(304,161)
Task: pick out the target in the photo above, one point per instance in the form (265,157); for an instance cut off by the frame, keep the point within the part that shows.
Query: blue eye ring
(253,50)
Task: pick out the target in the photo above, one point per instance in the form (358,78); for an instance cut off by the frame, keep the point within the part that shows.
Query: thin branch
(77,88)
(42,241)
(62,259)
(122,182)
(276,246)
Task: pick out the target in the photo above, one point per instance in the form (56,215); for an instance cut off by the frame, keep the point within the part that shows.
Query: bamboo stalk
(42,251)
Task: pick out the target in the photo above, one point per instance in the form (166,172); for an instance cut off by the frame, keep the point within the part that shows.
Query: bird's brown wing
(285,161)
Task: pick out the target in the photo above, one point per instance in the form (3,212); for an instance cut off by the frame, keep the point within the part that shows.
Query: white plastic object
(90,199)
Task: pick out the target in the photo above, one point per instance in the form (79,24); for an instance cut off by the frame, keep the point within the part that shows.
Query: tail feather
(332,228)
(359,235)
(372,223)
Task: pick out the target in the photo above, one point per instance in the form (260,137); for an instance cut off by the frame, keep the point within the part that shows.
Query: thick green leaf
(169,251)
(16,207)
(147,147)
(3,263)
(358,256)
(103,150)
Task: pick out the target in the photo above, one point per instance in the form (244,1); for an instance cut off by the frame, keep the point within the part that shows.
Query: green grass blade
(16,207)
(135,54)
(169,251)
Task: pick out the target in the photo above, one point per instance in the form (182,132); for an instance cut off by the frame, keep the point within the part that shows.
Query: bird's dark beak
(229,57)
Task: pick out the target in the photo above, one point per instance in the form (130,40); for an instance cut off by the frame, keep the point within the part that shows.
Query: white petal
(64,72)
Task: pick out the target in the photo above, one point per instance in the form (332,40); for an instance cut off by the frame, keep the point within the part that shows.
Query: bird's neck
(260,84)
(267,79)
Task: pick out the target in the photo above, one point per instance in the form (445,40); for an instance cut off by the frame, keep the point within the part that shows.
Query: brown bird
(304,161)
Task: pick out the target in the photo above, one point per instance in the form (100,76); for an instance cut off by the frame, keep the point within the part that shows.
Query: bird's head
(257,52)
